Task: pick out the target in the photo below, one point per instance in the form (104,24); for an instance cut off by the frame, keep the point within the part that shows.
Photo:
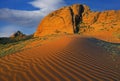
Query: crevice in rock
(77,19)
(72,14)
(96,18)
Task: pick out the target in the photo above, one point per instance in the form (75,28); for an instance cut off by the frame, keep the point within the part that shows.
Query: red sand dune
(69,58)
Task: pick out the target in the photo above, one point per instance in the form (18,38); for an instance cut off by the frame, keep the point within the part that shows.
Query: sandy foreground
(68,58)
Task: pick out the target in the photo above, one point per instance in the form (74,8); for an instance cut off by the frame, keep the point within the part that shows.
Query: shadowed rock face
(76,11)
(80,19)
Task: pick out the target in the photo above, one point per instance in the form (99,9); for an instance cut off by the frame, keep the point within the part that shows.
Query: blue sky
(24,15)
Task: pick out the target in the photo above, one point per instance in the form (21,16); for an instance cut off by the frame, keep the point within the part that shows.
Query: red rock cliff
(80,19)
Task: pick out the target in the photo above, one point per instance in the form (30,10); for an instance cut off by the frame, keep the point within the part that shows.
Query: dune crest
(71,58)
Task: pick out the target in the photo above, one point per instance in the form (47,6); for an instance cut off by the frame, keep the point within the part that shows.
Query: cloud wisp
(47,5)
(30,18)
(21,18)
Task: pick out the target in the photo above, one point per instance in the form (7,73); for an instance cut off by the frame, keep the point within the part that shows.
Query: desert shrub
(57,31)
(11,45)
(85,28)
(10,48)
(16,39)
(114,24)
(113,48)
(117,35)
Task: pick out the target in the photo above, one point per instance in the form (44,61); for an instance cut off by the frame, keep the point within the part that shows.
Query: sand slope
(69,58)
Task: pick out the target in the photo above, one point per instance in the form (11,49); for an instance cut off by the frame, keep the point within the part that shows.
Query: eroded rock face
(102,25)
(80,19)
(64,20)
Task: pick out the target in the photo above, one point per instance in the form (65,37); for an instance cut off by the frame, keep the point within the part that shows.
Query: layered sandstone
(63,20)
(103,25)
(80,19)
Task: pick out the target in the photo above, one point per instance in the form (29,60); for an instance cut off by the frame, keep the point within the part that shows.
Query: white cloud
(30,18)
(21,18)
(26,18)
(47,5)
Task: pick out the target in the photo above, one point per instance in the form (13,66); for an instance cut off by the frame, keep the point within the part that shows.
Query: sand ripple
(69,58)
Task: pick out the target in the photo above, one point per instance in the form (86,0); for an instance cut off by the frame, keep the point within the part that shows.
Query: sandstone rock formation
(103,25)
(80,19)
(64,20)
(17,34)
